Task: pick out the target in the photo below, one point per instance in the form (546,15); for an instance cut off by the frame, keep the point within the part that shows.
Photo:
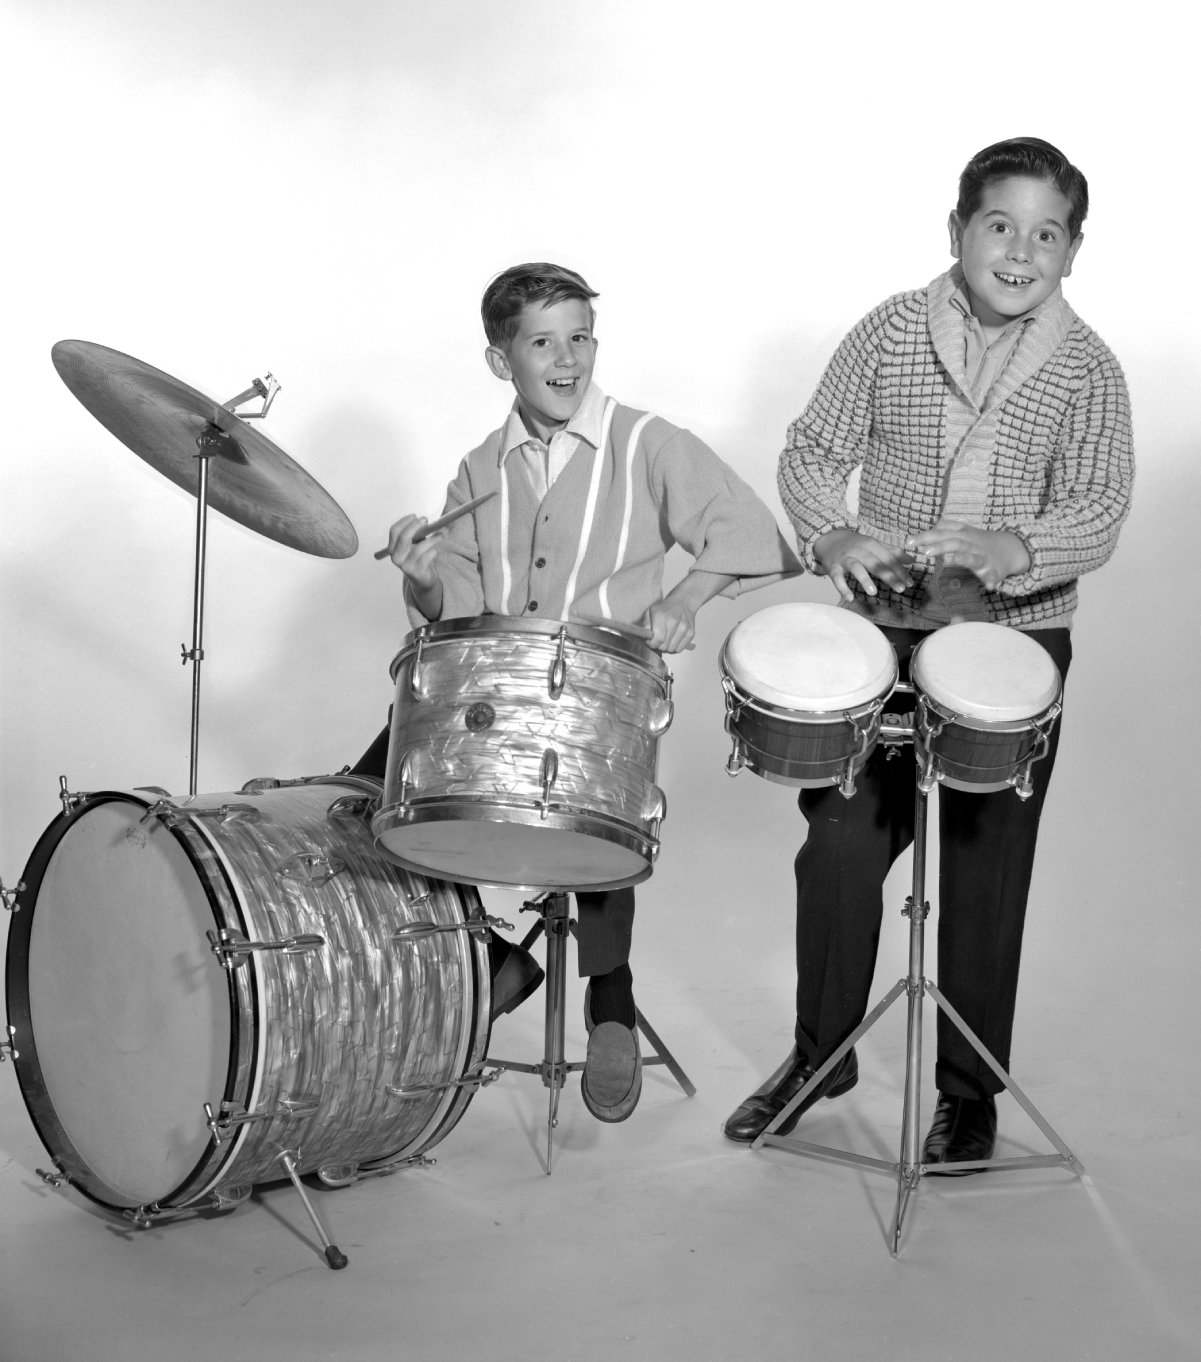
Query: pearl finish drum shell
(475,716)
(126,1023)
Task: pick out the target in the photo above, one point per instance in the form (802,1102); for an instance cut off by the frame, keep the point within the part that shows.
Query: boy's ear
(1072,249)
(498,362)
(955,228)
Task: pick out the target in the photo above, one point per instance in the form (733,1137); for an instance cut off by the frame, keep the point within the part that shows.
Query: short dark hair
(1028,156)
(508,294)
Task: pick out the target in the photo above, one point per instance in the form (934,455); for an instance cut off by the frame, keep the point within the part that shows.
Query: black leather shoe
(963,1128)
(763,1106)
(515,975)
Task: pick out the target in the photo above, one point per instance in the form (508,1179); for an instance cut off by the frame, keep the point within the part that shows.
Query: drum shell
(321,1033)
(800,748)
(475,715)
(971,754)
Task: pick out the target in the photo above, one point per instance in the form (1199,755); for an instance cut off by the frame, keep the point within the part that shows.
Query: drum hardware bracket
(232,948)
(416,689)
(477,926)
(479,1076)
(309,867)
(231,1116)
(266,388)
(9,897)
(548,774)
(187,654)
(55,1179)
(9,1045)
(348,1175)
(70,800)
(171,814)
(556,677)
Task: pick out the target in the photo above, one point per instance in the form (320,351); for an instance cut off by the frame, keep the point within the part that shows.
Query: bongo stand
(556,925)
(909,1169)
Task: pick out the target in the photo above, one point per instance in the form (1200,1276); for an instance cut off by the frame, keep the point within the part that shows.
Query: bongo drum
(523,754)
(197,986)
(804,686)
(987,700)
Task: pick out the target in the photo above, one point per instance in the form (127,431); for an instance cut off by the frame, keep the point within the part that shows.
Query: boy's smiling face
(1015,248)
(549,361)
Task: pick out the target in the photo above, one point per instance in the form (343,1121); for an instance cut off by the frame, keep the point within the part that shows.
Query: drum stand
(909,1168)
(555,924)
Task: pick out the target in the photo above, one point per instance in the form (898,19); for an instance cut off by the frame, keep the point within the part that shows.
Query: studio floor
(655,1239)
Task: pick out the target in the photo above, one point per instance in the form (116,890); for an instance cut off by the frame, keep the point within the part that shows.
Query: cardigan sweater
(594,545)
(1048,456)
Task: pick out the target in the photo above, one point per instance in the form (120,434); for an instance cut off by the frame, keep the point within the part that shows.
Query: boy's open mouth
(1012,280)
(561,382)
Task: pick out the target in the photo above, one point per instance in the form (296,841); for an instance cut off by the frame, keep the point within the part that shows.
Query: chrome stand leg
(333,1254)
(909,1169)
(556,925)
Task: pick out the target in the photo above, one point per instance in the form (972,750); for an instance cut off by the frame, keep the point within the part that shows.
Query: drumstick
(426,530)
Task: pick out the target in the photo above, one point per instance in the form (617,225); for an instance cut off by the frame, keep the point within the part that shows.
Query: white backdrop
(323,189)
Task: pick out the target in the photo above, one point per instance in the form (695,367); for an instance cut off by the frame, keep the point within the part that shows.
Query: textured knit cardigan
(1052,449)
(595,545)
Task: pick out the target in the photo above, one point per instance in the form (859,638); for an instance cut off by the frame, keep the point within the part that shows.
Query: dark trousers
(604,918)
(986,843)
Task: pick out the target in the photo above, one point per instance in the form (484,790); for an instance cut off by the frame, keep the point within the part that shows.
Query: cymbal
(250,479)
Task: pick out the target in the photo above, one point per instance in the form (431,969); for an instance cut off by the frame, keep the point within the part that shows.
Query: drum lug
(171,814)
(478,1076)
(660,717)
(309,867)
(654,810)
(479,926)
(9,1045)
(232,949)
(556,677)
(352,809)
(548,775)
(737,758)
(416,687)
(231,1116)
(9,897)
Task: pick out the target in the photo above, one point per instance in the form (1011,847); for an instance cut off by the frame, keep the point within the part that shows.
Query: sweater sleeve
(828,441)
(458,558)
(716,516)
(1090,483)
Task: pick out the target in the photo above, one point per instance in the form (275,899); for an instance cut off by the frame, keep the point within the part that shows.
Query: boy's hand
(672,625)
(418,562)
(843,553)
(991,555)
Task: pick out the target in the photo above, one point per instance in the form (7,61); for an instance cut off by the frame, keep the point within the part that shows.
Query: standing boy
(590,497)
(992,429)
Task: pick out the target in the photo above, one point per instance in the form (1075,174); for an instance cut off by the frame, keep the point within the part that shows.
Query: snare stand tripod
(909,1169)
(555,924)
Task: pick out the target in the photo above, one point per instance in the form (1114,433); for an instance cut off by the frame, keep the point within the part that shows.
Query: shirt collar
(586,425)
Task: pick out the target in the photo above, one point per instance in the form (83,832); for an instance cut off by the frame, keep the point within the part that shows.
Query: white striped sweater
(594,546)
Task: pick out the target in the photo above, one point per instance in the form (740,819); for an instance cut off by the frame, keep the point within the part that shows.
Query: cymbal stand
(909,1169)
(212,442)
(556,925)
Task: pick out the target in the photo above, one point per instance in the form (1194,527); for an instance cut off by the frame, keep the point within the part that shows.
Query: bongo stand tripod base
(556,925)
(909,1169)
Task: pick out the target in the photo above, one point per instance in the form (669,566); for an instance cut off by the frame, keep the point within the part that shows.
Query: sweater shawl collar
(1045,332)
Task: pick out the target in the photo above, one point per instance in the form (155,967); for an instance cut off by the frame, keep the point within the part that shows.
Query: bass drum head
(124,1010)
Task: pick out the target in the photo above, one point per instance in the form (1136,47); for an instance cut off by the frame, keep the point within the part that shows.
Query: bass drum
(197,986)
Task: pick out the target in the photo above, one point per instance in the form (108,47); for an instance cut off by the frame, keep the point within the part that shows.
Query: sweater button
(539,562)
(532,607)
